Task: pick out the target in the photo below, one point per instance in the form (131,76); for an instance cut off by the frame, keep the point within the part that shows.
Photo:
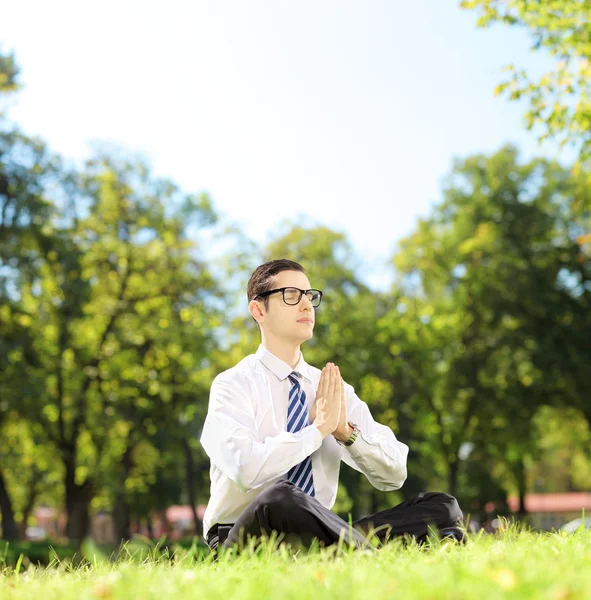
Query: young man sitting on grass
(278,428)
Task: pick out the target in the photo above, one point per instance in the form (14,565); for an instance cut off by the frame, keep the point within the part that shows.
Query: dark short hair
(262,278)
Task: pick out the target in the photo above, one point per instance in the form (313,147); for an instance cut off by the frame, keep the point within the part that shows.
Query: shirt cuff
(312,438)
(359,447)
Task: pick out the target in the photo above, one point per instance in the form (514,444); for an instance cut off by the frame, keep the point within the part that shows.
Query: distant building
(550,511)
(174,523)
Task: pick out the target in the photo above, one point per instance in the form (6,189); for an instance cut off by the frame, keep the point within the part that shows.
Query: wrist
(324,431)
(349,439)
(345,434)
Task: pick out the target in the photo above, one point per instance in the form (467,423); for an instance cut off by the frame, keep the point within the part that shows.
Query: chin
(300,337)
(307,337)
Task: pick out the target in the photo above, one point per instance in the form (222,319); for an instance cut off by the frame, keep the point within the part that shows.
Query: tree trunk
(78,497)
(9,526)
(31,497)
(150,526)
(454,467)
(521,485)
(190,480)
(122,512)
(122,518)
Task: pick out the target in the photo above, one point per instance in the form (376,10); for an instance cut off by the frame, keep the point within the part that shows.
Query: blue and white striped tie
(297,419)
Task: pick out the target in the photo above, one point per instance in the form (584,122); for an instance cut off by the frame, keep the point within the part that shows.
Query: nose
(305,303)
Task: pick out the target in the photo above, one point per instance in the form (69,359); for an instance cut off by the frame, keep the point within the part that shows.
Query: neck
(287,351)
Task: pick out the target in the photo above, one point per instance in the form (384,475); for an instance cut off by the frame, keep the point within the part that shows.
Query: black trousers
(285,509)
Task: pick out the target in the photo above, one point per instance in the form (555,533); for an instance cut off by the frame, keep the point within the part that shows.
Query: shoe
(454,533)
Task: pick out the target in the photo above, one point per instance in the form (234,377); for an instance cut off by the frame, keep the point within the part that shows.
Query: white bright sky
(346,111)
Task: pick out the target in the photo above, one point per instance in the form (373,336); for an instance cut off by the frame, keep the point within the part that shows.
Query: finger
(344,415)
(340,388)
(341,384)
(337,395)
(326,382)
(333,382)
(321,391)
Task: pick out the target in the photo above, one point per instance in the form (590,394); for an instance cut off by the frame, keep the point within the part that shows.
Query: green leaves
(560,100)
(485,302)
(110,316)
(8,73)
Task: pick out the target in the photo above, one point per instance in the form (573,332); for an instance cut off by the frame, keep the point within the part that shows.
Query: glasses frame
(291,287)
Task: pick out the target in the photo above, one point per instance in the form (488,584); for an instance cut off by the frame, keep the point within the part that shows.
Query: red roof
(183,513)
(566,502)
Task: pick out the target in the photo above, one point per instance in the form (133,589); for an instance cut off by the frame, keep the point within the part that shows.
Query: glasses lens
(315,297)
(291,295)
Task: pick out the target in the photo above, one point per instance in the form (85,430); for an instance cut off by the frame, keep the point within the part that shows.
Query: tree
(9,72)
(109,319)
(489,283)
(560,101)
(161,401)
(116,270)
(563,459)
(25,167)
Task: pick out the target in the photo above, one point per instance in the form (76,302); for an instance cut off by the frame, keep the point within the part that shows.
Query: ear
(256,311)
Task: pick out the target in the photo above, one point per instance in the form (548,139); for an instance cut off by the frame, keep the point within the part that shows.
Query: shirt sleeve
(376,452)
(230,439)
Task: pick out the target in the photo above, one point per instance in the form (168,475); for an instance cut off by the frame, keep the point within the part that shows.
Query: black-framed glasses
(292,295)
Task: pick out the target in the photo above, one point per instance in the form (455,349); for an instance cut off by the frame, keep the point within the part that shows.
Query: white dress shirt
(245,436)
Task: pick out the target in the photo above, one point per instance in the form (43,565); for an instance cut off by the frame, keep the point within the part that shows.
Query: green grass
(513,564)
(44,553)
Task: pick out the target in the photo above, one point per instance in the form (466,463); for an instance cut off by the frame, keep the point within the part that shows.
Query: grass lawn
(512,564)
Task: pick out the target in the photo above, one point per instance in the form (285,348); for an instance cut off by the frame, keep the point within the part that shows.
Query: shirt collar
(280,368)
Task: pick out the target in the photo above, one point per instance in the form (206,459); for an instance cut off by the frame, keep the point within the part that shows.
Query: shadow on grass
(21,554)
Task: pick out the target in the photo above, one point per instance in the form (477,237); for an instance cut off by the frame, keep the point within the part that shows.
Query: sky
(338,112)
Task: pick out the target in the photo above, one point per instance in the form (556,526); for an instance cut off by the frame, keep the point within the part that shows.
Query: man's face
(284,321)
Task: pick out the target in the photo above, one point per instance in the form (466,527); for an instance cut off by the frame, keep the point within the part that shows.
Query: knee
(278,495)
(451,512)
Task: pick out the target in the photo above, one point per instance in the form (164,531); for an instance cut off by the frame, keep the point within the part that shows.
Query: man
(277,430)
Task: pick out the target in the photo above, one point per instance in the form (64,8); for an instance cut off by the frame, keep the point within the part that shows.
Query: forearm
(376,452)
(251,463)
(381,460)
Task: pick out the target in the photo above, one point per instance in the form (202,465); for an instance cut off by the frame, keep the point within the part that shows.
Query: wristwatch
(353,436)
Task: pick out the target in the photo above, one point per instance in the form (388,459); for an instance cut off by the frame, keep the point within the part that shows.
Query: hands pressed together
(329,412)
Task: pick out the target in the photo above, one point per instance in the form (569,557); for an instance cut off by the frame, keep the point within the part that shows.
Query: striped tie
(297,418)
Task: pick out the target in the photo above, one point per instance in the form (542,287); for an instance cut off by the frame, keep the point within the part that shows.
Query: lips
(305,321)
